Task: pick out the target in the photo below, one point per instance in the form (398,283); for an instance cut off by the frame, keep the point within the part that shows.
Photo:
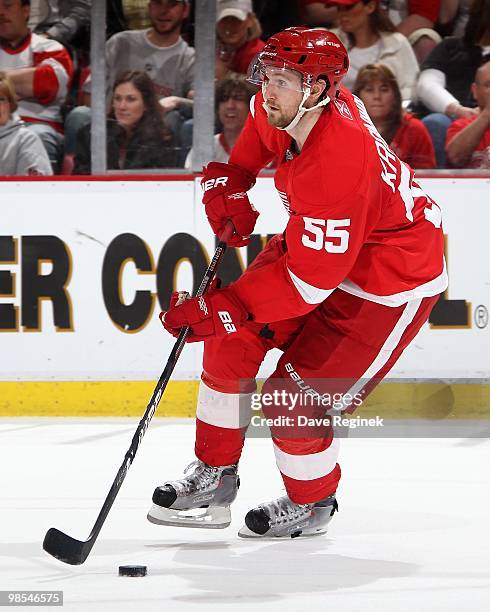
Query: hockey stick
(64,547)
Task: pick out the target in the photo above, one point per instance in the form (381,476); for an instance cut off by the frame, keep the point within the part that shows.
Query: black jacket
(150,153)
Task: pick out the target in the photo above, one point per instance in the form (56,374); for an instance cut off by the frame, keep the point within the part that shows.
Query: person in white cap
(238,36)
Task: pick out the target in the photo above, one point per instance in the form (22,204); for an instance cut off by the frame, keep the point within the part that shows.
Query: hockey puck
(133,570)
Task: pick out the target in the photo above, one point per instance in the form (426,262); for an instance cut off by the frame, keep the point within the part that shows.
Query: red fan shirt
(426,8)
(412,143)
(244,55)
(480,158)
(53,72)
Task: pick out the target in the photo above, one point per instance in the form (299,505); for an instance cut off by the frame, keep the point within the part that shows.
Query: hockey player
(342,291)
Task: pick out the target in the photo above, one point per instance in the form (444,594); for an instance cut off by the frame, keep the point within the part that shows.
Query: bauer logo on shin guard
(227,321)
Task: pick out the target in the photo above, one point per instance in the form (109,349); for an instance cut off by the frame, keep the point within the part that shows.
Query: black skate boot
(201,499)
(282,518)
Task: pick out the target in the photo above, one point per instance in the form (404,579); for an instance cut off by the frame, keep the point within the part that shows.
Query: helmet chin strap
(301,109)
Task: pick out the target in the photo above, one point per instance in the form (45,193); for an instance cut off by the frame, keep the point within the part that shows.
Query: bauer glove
(215,314)
(225,197)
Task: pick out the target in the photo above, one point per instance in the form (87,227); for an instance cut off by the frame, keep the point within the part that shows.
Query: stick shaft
(154,401)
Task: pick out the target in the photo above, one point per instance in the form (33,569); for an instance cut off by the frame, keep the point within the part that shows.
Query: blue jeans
(437,124)
(52,141)
(76,118)
(186,139)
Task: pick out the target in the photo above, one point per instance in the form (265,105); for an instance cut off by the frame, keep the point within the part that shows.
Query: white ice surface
(412,533)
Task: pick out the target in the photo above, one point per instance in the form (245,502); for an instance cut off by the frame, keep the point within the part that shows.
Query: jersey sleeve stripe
(309,293)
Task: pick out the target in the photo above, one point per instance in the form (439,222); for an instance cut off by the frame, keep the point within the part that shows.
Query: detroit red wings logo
(343,109)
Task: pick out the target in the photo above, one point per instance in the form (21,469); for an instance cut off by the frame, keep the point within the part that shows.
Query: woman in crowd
(407,136)
(370,38)
(444,85)
(21,151)
(233,95)
(137,136)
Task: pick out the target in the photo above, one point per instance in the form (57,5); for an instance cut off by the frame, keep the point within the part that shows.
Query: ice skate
(201,499)
(282,518)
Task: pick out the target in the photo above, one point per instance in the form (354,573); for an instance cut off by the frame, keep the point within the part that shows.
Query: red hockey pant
(346,340)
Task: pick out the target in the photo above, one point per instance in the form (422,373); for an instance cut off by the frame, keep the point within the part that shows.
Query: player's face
(379,100)
(283,93)
(233,112)
(353,17)
(232,31)
(13,20)
(4,109)
(167,16)
(128,105)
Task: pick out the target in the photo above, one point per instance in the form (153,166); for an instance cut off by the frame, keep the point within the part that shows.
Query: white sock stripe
(230,410)
(308,467)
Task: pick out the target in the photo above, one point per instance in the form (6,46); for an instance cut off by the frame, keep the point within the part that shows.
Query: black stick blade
(65,548)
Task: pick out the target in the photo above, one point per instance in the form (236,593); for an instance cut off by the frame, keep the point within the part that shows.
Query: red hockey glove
(225,197)
(215,314)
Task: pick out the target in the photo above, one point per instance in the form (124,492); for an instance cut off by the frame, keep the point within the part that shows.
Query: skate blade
(200,518)
(246,533)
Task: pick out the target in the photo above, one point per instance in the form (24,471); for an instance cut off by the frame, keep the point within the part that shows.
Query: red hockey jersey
(358,219)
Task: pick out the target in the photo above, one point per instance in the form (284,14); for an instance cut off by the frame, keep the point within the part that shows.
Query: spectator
(415,19)
(21,150)
(407,136)
(370,38)
(159,51)
(238,36)
(62,20)
(233,95)
(314,13)
(133,15)
(40,70)
(468,139)
(444,85)
(137,136)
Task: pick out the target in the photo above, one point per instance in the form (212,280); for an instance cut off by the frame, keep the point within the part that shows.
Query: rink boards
(85,267)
